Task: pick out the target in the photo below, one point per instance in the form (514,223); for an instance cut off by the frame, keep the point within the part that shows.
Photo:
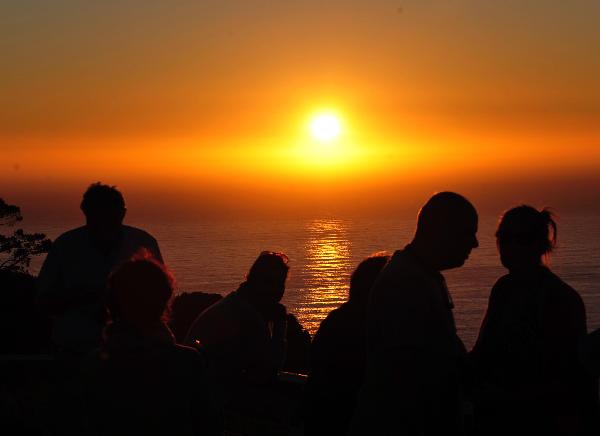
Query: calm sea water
(213,256)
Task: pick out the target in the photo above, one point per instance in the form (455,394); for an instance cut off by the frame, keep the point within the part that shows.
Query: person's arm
(279,335)
(589,352)
(265,366)
(479,353)
(323,352)
(565,328)
(50,296)
(475,368)
(155,250)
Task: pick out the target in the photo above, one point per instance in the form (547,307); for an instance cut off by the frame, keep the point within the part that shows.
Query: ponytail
(549,221)
(540,226)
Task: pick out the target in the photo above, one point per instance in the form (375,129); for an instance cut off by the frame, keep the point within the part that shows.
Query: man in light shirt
(72,281)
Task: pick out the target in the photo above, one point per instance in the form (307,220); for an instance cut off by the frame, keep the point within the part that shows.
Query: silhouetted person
(141,381)
(186,307)
(72,281)
(413,352)
(526,352)
(338,356)
(244,333)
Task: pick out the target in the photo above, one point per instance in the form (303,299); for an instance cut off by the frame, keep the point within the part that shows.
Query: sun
(325,127)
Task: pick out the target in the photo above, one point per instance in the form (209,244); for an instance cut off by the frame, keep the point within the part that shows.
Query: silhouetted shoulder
(560,292)
(400,267)
(336,322)
(217,322)
(502,283)
(139,234)
(401,275)
(556,284)
(140,238)
(71,236)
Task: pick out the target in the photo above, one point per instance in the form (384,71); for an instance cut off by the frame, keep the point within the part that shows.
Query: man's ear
(123,213)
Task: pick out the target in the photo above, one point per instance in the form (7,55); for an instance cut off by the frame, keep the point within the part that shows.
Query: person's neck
(526,270)
(425,254)
(103,245)
(247,292)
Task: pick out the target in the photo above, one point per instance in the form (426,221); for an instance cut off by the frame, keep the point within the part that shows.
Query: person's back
(338,356)
(234,337)
(136,385)
(411,383)
(533,324)
(140,381)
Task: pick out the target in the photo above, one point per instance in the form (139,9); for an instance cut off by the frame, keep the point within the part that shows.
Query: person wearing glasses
(243,334)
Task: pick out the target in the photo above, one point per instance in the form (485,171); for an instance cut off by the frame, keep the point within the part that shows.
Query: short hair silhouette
(443,207)
(536,228)
(101,197)
(267,265)
(364,275)
(139,291)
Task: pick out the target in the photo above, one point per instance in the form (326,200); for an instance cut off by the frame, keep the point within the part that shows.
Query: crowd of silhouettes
(136,360)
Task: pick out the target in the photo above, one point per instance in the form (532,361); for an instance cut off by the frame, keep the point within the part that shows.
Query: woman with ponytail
(529,378)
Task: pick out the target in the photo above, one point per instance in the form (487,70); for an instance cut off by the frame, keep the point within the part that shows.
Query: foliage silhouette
(16,250)
(9,214)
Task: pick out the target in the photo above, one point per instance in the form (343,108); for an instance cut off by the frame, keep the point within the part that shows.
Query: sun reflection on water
(327,270)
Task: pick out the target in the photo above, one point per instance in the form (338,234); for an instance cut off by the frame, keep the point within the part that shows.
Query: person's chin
(454,264)
(460,261)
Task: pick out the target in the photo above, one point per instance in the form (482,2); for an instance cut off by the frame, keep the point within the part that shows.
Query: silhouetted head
(446,230)
(364,276)
(139,292)
(104,210)
(524,236)
(267,276)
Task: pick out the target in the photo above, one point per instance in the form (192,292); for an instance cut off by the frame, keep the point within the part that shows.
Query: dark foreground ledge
(33,387)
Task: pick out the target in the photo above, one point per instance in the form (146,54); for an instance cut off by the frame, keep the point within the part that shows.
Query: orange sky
(205,105)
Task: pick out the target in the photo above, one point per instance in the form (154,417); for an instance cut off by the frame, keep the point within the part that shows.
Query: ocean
(214,256)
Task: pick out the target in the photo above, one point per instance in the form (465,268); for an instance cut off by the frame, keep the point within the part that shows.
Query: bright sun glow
(325,127)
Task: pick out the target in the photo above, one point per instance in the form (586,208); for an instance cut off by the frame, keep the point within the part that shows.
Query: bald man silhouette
(411,383)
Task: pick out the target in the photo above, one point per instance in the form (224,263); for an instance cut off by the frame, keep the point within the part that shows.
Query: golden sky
(207,104)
